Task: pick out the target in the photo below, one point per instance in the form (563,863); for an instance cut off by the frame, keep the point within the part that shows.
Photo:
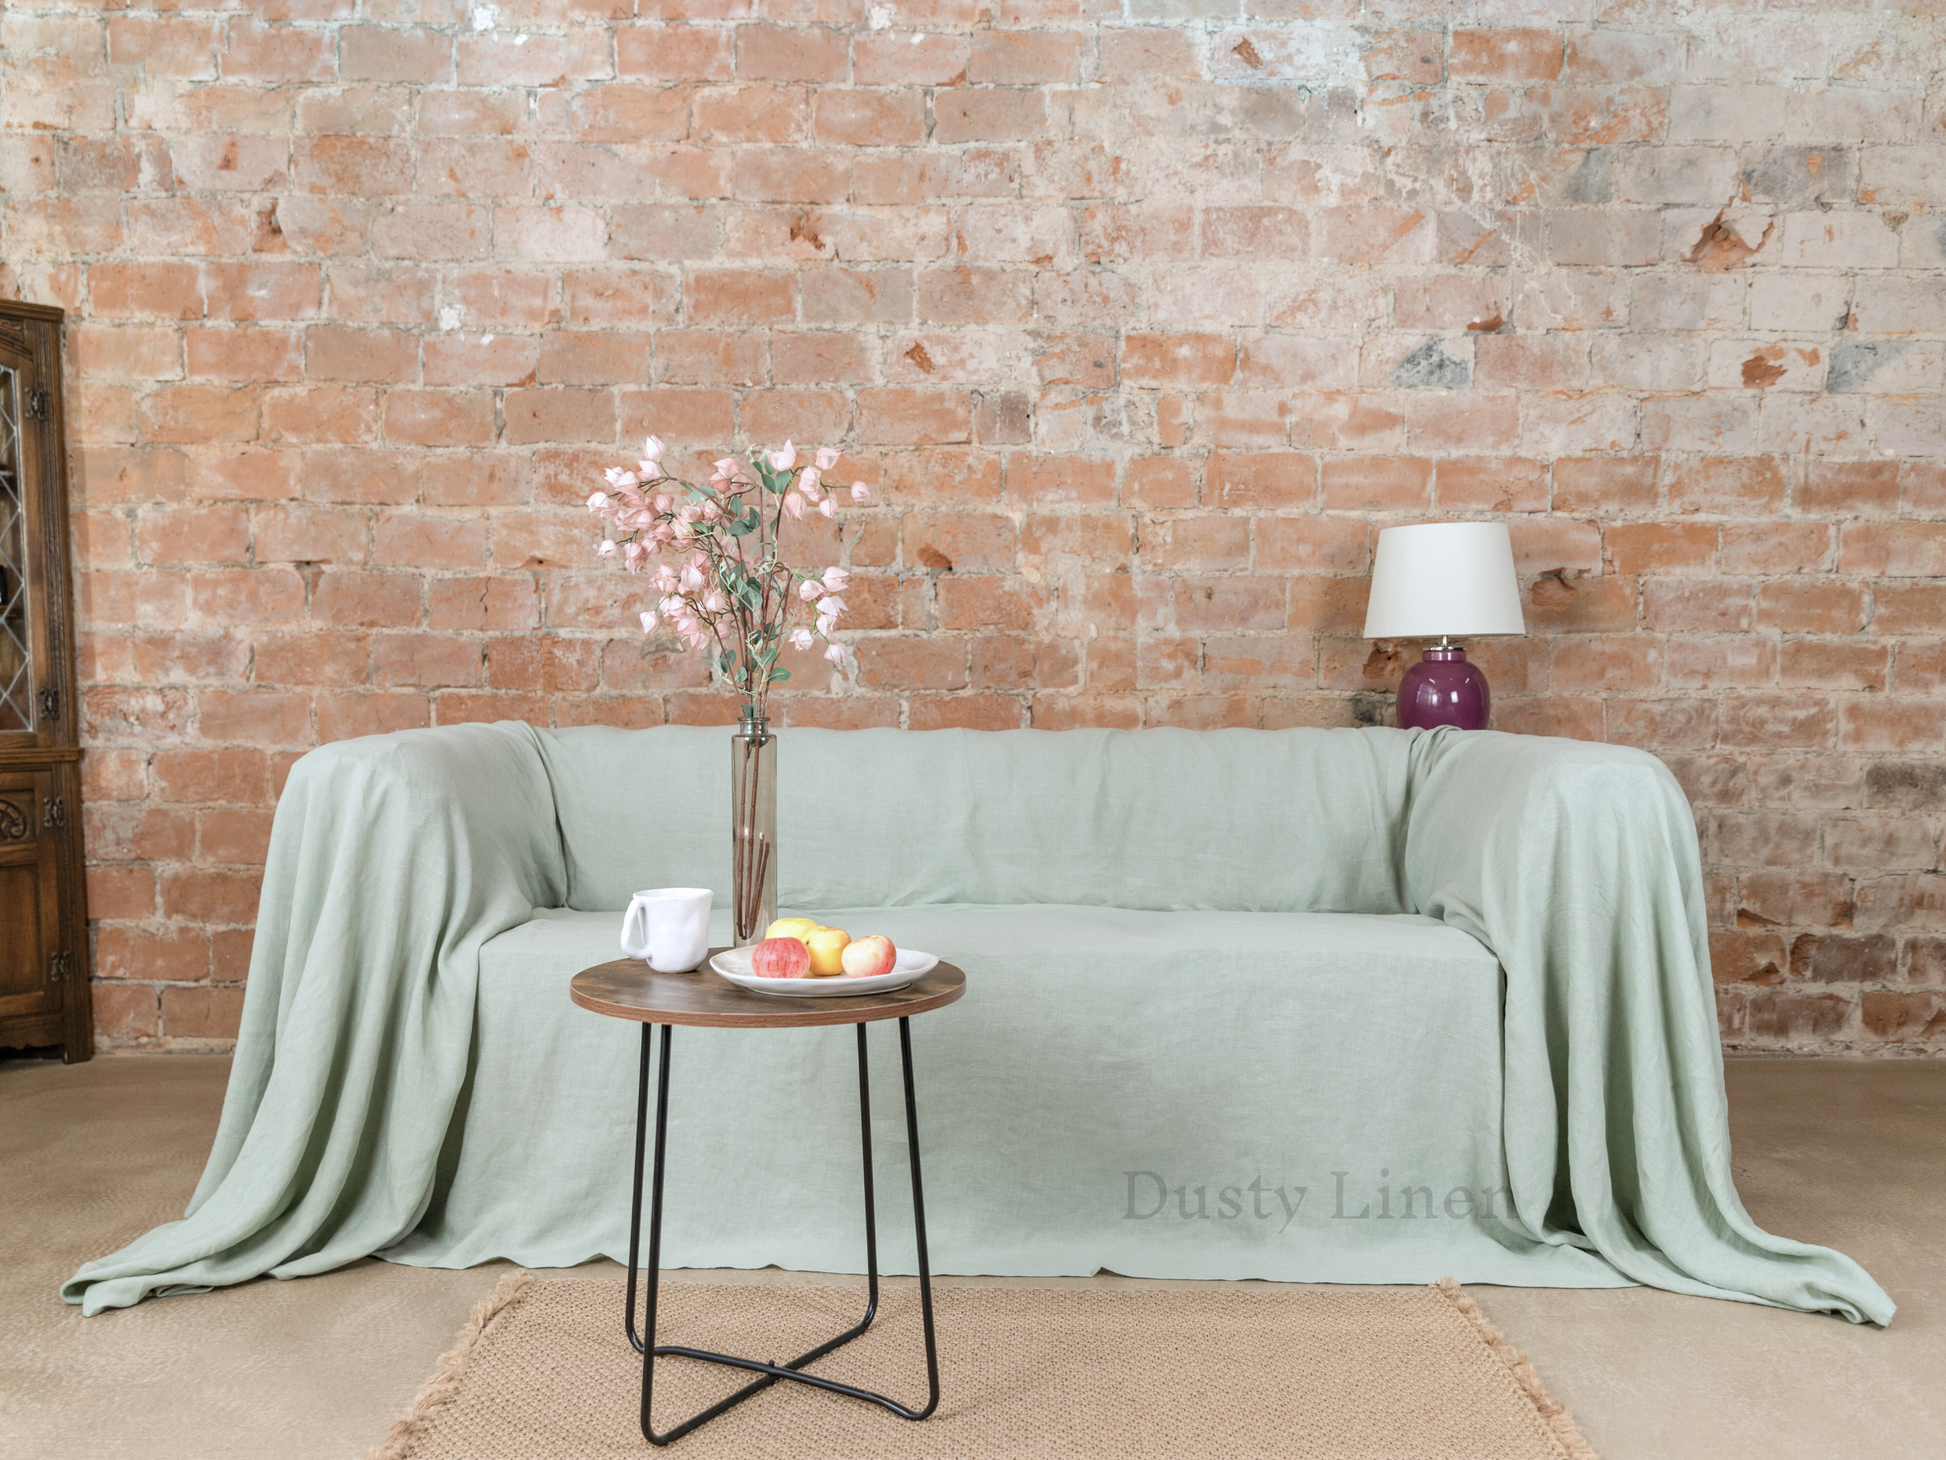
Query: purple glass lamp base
(1443,689)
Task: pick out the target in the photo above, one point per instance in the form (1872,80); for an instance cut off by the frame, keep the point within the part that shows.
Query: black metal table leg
(770,1373)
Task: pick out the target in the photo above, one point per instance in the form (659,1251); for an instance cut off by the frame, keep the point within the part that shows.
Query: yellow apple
(798,928)
(870,956)
(827,947)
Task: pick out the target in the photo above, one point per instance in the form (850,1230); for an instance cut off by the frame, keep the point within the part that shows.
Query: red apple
(869,957)
(780,958)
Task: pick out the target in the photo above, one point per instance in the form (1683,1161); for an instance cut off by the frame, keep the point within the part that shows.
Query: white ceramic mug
(669,926)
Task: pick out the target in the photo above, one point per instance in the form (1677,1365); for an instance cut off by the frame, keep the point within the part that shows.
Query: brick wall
(1143,318)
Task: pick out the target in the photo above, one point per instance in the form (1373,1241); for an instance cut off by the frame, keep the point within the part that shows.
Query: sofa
(1354,1005)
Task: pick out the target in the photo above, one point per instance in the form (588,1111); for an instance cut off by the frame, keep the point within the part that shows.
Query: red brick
(368,600)
(1505,54)
(1777,722)
(860,118)
(439,418)
(200,414)
(233,596)
(1849,488)
(125,1011)
(1915,1018)
(200,776)
(1728,484)
(675,52)
(791,53)
(211,894)
(1658,547)
(1377,483)
(152,954)
(349,715)
(1812,606)
(384,356)
(192,535)
(356,476)
(327,658)
(1491,484)
(1894,549)
(1747,957)
(559,415)
(262,717)
(119,893)
(210,1014)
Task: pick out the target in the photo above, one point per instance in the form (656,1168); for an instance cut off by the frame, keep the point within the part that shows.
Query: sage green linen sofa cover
(1362,1005)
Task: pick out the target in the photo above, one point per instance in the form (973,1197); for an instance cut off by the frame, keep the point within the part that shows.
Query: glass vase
(753,829)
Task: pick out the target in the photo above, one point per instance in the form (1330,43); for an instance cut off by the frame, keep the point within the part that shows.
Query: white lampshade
(1453,579)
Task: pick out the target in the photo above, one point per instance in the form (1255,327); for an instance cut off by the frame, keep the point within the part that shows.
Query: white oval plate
(734,964)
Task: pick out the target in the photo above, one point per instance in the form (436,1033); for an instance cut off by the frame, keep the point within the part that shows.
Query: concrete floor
(1852,1153)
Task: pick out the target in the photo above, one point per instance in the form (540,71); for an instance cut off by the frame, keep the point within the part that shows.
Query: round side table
(627,989)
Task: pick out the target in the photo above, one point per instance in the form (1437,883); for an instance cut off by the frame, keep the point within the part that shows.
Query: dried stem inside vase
(753,872)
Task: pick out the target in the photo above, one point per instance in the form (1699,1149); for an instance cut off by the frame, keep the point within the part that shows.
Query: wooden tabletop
(629,989)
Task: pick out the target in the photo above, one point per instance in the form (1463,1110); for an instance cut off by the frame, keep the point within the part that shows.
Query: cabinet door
(32,960)
(25,676)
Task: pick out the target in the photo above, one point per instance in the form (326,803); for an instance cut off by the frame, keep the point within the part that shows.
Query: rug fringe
(1559,1422)
(444,1383)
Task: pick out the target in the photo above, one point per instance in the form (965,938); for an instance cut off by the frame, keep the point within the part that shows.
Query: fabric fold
(392,860)
(1578,865)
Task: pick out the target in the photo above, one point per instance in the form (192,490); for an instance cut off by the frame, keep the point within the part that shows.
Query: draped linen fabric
(1353,1005)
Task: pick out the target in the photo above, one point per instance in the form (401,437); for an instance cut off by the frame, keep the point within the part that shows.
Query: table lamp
(1444,580)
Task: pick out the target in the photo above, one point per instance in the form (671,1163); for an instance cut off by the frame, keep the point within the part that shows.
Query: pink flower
(691,578)
(860,492)
(653,448)
(828,457)
(801,638)
(605,548)
(835,653)
(636,556)
(807,482)
(662,502)
(836,578)
(784,459)
(811,590)
(826,623)
(831,605)
(648,622)
(717,601)
(727,466)
(691,512)
(793,506)
(665,580)
(597,502)
(829,507)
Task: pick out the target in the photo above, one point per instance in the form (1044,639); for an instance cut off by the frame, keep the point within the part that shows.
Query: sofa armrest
(1577,865)
(392,860)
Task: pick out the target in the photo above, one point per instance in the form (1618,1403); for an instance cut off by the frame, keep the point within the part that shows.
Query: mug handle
(638,912)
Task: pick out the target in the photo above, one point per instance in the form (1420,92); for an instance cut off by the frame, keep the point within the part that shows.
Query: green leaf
(777,674)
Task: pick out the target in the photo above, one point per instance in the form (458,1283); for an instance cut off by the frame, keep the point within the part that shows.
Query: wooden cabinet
(44,965)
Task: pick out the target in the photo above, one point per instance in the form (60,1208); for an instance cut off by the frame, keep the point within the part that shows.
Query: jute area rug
(543,1370)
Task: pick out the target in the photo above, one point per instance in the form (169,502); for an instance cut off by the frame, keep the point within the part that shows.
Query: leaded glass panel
(16,661)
